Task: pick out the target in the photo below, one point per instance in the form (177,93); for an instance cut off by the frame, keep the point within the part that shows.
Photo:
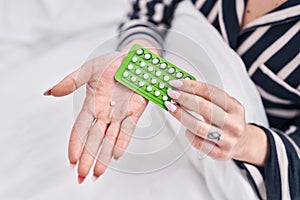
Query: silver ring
(214,135)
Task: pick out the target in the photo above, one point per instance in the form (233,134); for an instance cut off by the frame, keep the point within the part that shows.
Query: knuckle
(238,129)
(206,108)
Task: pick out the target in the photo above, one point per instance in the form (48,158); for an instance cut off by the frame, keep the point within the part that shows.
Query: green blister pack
(148,74)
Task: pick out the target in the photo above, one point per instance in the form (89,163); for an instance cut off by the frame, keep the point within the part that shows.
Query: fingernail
(95,178)
(72,165)
(171,107)
(116,158)
(47,92)
(173,94)
(80,179)
(176,83)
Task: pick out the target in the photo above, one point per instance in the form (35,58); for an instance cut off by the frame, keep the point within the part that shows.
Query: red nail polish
(47,92)
(80,179)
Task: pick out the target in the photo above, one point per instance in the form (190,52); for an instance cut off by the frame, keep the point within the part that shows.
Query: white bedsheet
(43,40)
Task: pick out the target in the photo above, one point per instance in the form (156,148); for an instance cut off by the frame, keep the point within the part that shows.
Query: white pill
(134,59)
(161,85)
(147,56)
(141,83)
(133,79)
(166,78)
(142,64)
(139,51)
(146,76)
(158,73)
(153,81)
(157,93)
(163,65)
(138,71)
(165,98)
(171,70)
(155,61)
(150,68)
(125,74)
(149,88)
(179,75)
(130,67)
(187,78)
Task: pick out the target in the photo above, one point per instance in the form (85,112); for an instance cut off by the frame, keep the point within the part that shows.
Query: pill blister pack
(148,74)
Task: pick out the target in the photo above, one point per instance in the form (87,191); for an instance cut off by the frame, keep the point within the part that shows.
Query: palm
(108,116)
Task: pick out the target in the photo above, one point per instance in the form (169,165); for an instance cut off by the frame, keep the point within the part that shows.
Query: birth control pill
(158,73)
(148,74)
(157,93)
(134,59)
(133,79)
(141,83)
(149,88)
(130,67)
(163,65)
(187,78)
(155,61)
(166,78)
(171,70)
(142,64)
(147,56)
(138,71)
(179,75)
(150,68)
(139,51)
(165,98)
(161,85)
(153,80)
(125,74)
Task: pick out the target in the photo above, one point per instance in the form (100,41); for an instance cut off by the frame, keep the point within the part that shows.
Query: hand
(223,114)
(108,117)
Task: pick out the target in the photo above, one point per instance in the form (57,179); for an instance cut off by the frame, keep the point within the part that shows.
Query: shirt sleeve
(147,20)
(280,177)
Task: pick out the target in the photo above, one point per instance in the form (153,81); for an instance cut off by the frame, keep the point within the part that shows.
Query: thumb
(71,82)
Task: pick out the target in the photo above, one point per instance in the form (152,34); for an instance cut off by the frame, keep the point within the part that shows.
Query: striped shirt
(269,47)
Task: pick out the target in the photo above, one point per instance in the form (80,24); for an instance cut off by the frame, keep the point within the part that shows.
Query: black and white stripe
(269,47)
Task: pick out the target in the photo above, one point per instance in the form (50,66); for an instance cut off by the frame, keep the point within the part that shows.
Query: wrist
(255,146)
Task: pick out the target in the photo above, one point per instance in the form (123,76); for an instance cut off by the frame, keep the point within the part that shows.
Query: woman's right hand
(108,116)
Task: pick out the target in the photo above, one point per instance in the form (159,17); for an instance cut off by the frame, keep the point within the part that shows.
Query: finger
(106,151)
(199,143)
(205,108)
(91,147)
(127,128)
(78,135)
(198,127)
(72,82)
(205,90)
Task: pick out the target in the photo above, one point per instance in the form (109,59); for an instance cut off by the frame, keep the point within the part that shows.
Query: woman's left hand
(224,124)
